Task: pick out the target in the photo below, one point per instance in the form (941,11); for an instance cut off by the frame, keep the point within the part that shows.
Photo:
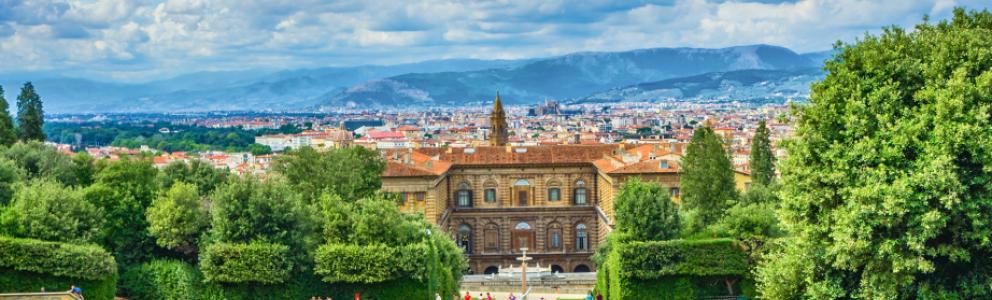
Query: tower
(497,121)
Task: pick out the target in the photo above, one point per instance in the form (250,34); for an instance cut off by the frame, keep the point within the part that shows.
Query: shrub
(44,209)
(75,261)
(240,263)
(162,279)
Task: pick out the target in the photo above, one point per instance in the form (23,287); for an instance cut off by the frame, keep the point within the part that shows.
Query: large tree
(762,162)
(707,179)
(8,134)
(44,209)
(177,218)
(645,212)
(123,190)
(351,172)
(887,188)
(30,115)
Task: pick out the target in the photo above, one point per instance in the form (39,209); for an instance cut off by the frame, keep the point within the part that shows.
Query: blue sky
(135,40)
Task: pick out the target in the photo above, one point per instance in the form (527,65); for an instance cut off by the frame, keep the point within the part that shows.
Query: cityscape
(483,150)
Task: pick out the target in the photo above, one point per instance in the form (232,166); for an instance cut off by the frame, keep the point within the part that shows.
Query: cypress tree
(707,179)
(762,162)
(30,116)
(8,134)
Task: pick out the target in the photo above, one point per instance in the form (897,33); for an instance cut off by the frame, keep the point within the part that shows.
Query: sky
(140,40)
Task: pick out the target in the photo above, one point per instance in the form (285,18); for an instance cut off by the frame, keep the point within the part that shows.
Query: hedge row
(88,262)
(649,260)
(675,269)
(13,281)
(367,264)
(170,279)
(246,263)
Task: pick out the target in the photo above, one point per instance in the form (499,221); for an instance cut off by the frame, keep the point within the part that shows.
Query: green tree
(45,210)
(10,175)
(352,172)
(887,189)
(177,218)
(762,162)
(707,180)
(645,212)
(41,161)
(30,115)
(83,169)
(270,211)
(196,172)
(123,190)
(8,134)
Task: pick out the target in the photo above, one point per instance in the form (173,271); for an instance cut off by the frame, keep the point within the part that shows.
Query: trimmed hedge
(246,263)
(162,279)
(88,262)
(649,260)
(675,269)
(13,281)
(366,264)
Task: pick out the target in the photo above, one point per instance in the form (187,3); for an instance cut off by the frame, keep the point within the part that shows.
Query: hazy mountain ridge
(431,83)
(741,85)
(573,76)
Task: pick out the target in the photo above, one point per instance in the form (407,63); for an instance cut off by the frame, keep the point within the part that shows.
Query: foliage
(123,190)
(179,138)
(30,115)
(887,190)
(177,218)
(39,160)
(246,262)
(162,279)
(351,172)
(645,212)
(10,174)
(197,172)
(44,209)
(59,259)
(12,281)
(762,162)
(83,169)
(364,264)
(749,222)
(8,133)
(707,179)
(250,210)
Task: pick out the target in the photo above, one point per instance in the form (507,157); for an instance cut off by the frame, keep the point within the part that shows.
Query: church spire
(497,122)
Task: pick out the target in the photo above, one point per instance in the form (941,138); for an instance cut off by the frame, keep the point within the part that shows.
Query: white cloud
(137,39)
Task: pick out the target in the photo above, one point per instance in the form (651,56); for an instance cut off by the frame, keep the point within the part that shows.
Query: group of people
(486,297)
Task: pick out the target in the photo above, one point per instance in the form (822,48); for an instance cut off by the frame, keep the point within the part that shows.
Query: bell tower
(497,121)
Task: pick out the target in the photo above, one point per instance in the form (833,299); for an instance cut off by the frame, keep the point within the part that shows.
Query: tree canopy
(645,212)
(8,133)
(707,180)
(887,189)
(762,162)
(30,115)
(351,172)
(44,209)
(177,218)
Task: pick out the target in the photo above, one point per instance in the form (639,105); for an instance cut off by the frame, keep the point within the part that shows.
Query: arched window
(491,270)
(579,195)
(554,190)
(554,236)
(557,269)
(490,191)
(522,236)
(522,226)
(581,269)
(521,182)
(581,237)
(465,238)
(491,237)
(464,195)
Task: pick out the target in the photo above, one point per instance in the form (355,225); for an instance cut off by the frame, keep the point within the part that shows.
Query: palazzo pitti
(556,200)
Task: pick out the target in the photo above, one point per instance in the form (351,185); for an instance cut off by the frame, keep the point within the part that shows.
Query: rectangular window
(554,194)
(421,196)
(675,192)
(403,196)
(464,198)
(490,195)
(580,196)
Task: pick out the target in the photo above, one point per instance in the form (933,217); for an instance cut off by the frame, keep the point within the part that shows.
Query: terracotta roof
(385,135)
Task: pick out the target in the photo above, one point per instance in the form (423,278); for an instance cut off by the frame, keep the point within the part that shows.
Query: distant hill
(742,85)
(430,83)
(566,77)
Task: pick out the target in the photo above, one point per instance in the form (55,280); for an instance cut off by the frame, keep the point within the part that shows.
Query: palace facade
(556,201)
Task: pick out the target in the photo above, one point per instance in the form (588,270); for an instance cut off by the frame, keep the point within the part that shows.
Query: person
(488,296)
(468,296)
(76,291)
(437,296)
(589,297)
(599,296)
(512,297)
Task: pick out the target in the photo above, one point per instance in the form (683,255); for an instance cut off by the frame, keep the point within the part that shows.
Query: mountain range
(657,74)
